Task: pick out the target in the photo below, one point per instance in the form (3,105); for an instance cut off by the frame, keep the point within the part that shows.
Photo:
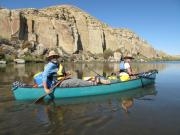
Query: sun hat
(128,57)
(52,54)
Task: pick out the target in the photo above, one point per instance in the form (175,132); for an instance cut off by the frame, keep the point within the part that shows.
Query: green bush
(119,50)
(9,58)
(4,41)
(2,55)
(26,44)
(30,58)
(107,53)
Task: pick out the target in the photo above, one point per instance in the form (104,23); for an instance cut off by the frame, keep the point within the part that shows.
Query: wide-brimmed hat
(129,57)
(52,54)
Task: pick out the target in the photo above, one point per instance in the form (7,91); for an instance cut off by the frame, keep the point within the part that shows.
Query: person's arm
(45,78)
(46,89)
(128,68)
(65,73)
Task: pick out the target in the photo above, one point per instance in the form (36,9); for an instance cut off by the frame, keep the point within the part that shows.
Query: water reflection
(127,103)
(48,114)
(76,116)
(113,102)
(2,65)
(105,69)
(25,72)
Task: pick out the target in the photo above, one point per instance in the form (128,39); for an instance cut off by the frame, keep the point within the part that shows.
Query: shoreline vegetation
(27,51)
(29,59)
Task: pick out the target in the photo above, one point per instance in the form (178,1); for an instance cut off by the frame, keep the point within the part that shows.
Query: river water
(153,110)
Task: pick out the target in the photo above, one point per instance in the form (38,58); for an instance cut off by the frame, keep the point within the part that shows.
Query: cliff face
(70,29)
(9,22)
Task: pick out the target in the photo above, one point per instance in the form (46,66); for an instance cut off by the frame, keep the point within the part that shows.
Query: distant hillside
(70,30)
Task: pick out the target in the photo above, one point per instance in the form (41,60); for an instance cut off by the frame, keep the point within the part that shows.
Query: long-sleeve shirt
(49,70)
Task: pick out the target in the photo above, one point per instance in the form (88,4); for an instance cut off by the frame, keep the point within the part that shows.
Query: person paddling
(125,68)
(127,64)
(50,70)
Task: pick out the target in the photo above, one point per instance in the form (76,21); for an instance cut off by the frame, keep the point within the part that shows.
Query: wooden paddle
(94,71)
(52,89)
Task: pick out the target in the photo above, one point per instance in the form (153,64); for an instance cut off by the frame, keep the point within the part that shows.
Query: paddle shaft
(42,97)
(94,71)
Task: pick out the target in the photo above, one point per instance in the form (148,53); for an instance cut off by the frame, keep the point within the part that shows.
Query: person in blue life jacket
(54,72)
(127,64)
(38,77)
(121,65)
(50,71)
(125,68)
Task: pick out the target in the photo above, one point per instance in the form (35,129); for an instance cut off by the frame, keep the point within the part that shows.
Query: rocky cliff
(70,30)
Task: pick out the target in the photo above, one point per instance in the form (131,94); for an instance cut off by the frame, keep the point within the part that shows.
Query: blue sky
(157,21)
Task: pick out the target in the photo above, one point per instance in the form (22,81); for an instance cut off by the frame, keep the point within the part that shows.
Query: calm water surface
(155,109)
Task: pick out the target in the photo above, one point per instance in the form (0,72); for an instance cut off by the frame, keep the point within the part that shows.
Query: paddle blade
(52,89)
(39,100)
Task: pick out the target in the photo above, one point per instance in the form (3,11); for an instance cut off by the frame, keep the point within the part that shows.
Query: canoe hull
(24,93)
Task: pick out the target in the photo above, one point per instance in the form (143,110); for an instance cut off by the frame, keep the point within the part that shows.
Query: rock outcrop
(70,29)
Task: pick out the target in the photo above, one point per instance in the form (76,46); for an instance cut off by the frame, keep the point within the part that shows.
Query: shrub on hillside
(107,53)
(4,41)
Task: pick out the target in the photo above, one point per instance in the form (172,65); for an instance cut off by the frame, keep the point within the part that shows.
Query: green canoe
(30,93)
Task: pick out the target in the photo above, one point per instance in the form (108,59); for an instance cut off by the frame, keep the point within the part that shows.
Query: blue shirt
(49,70)
(121,65)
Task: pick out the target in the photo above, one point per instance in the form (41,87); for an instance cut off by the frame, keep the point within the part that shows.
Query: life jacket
(123,76)
(60,72)
(112,77)
(121,67)
(38,79)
